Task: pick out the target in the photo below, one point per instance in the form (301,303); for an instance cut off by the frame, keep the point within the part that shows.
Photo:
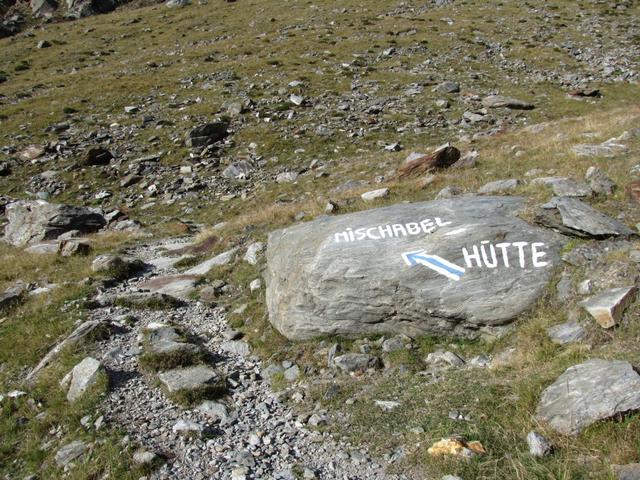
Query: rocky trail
(248,433)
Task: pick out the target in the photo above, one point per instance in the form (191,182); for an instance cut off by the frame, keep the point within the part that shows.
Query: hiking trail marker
(435,263)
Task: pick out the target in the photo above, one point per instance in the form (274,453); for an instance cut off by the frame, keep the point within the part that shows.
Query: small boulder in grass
(441,158)
(538,445)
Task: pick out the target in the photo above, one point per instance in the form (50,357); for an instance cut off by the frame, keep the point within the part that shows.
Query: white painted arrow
(435,263)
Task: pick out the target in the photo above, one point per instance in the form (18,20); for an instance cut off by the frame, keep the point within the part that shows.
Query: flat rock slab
(591,391)
(70,452)
(564,187)
(498,101)
(450,266)
(573,217)
(499,186)
(607,307)
(177,286)
(568,332)
(219,260)
(190,378)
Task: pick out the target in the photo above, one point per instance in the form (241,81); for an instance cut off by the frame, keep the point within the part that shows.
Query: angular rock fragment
(207,134)
(607,307)
(70,452)
(573,217)
(97,156)
(83,376)
(253,251)
(633,191)
(586,393)
(12,295)
(599,182)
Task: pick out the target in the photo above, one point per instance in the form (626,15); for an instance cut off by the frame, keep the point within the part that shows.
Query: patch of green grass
(156,361)
(192,397)
(149,302)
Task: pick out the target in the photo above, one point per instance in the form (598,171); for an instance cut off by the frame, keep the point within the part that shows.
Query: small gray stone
(499,186)
(395,343)
(375,194)
(599,182)
(144,457)
(207,134)
(189,378)
(30,222)
(236,347)
(564,187)
(187,428)
(286,177)
(238,170)
(253,251)
(444,358)
(292,373)
(215,410)
(355,362)
(538,445)
(70,452)
(448,87)
(568,332)
(498,101)
(627,472)
(449,191)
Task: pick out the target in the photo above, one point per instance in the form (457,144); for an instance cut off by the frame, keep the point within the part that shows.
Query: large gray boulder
(454,266)
(33,221)
(591,391)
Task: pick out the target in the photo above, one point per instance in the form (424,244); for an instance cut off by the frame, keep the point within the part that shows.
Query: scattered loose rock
(607,307)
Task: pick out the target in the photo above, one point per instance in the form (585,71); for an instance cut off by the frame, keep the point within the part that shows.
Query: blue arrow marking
(435,263)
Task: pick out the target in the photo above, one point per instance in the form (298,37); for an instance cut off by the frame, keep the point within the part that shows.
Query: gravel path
(262,438)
